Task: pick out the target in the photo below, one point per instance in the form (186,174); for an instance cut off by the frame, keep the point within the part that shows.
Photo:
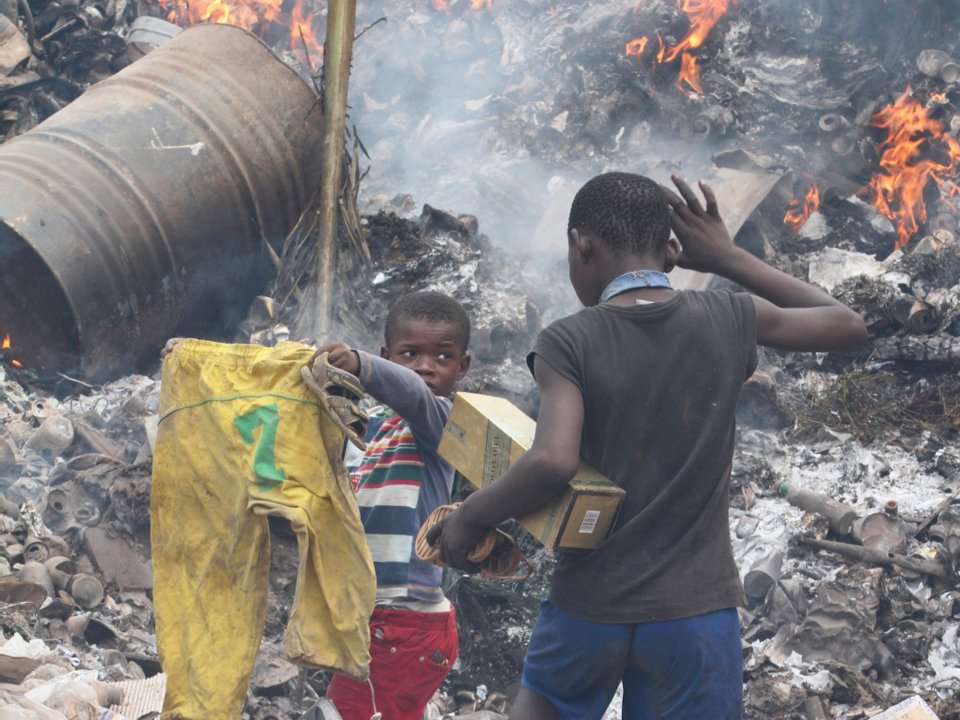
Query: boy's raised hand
(341,356)
(703,236)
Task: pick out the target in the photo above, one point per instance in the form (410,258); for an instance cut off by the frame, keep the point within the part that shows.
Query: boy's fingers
(675,200)
(692,202)
(708,195)
(679,225)
(434,533)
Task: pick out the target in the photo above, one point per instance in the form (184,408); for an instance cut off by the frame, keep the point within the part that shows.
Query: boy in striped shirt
(399,482)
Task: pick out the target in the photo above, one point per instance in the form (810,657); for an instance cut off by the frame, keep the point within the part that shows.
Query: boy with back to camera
(400,481)
(642,384)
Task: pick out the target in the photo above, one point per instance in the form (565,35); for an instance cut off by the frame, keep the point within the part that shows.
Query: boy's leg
(531,706)
(685,669)
(411,654)
(574,665)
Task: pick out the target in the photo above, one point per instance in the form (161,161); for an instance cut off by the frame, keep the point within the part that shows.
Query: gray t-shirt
(660,384)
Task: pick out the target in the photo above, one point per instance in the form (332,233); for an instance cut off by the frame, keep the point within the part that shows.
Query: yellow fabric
(241,437)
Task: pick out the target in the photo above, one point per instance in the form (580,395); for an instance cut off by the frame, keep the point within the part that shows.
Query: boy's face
(432,349)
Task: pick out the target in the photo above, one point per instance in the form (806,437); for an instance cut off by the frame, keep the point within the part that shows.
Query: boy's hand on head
(342,356)
(700,230)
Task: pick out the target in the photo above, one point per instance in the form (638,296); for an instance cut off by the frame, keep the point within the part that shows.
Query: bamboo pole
(337,56)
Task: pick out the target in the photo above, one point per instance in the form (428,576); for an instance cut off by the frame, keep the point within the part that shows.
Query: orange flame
(703,15)
(907,164)
(799,210)
(689,73)
(247,14)
(637,46)
(303,39)
(253,15)
(6,344)
(481,4)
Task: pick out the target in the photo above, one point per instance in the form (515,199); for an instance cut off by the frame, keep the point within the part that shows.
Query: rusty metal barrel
(140,210)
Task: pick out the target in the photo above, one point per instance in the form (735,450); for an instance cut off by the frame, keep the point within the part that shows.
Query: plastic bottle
(840,515)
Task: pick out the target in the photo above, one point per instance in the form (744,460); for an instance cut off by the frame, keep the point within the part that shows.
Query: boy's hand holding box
(484,435)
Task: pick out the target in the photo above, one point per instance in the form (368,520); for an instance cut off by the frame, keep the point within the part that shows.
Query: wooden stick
(937,348)
(881,557)
(932,517)
(337,56)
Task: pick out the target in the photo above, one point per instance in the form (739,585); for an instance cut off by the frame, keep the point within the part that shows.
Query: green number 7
(264,457)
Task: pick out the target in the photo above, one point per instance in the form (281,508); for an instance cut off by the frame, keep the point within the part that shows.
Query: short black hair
(432,306)
(629,212)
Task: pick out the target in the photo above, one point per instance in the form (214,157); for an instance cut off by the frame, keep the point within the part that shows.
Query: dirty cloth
(240,438)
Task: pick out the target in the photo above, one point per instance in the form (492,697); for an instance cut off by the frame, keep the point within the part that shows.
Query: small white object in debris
(881,223)
(17,647)
(815,228)
(379,278)
(945,657)
(832,266)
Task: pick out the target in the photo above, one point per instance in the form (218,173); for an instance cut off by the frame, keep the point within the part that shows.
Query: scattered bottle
(840,515)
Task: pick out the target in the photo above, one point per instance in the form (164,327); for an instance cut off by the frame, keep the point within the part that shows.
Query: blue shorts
(688,669)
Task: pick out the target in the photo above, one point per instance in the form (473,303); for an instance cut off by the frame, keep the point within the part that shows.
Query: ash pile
(846,510)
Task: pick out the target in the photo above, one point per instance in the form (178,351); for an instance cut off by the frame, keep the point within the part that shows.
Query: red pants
(410,655)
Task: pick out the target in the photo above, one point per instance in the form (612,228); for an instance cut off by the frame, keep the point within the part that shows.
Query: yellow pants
(241,437)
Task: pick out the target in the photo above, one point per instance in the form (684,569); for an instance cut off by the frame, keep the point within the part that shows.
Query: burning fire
(7,344)
(799,210)
(689,73)
(303,38)
(253,15)
(915,150)
(637,46)
(703,15)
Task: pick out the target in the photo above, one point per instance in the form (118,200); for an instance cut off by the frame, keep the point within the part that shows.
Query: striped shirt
(401,479)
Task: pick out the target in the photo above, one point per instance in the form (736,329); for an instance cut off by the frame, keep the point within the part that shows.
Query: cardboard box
(485,435)
(911,709)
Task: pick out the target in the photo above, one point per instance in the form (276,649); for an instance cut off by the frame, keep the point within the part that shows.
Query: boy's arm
(539,474)
(791,314)
(402,390)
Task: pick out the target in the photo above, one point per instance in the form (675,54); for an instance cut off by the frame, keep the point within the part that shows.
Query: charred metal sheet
(138,211)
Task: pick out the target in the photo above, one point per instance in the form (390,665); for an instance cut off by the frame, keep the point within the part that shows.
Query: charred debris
(846,507)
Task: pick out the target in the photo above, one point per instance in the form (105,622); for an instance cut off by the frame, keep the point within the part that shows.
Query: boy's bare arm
(540,473)
(791,314)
